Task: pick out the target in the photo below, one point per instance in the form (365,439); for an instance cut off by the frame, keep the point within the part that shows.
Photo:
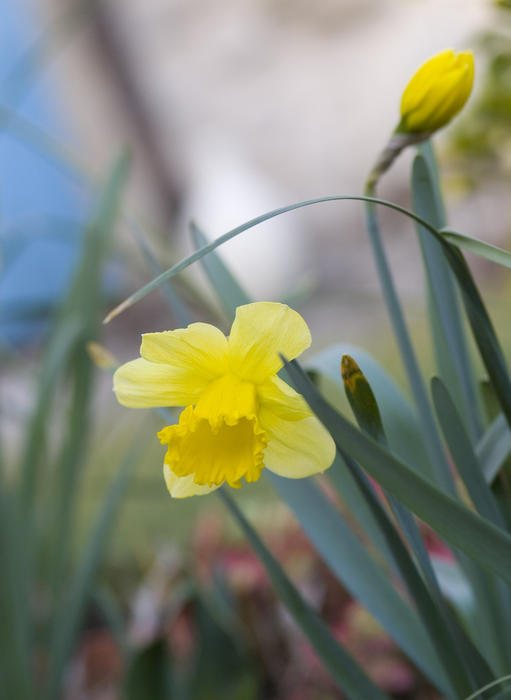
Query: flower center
(220,438)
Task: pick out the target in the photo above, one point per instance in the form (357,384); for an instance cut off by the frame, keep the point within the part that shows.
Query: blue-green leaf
(477,247)
(347,674)
(398,415)
(494,447)
(227,287)
(444,309)
(206,249)
(67,620)
(463,454)
(479,539)
(345,555)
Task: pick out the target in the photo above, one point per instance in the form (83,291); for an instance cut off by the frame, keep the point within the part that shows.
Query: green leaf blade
(477,247)
(348,560)
(494,447)
(444,309)
(69,616)
(479,539)
(463,455)
(348,675)
(227,287)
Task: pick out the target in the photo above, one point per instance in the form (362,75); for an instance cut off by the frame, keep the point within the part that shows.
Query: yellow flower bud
(437,92)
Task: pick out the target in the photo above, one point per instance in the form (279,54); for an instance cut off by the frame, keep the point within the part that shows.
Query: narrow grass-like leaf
(84,301)
(367,414)
(482,691)
(433,442)
(178,308)
(482,329)
(463,663)
(343,552)
(227,287)
(24,540)
(426,150)
(353,566)
(344,669)
(198,254)
(477,247)
(70,612)
(444,309)
(447,636)
(463,454)
(28,132)
(479,320)
(231,295)
(479,539)
(311,509)
(495,603)
(55,358)
(325,527)
(353,499)
(494,447)
(485,336)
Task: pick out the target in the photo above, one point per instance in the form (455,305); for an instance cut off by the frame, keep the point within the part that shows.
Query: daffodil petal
(259,333)
(184,486)
(296,449)
(282,399)
(200,347)
(143,384)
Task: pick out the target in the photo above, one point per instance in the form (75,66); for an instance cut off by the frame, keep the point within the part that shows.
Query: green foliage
(463,664)
(439,457)
(415,474)
(344,669)
(39,494)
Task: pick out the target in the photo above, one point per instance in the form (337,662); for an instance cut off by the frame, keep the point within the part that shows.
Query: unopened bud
(436,92)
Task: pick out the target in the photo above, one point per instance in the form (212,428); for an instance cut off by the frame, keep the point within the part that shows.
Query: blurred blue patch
(42,207)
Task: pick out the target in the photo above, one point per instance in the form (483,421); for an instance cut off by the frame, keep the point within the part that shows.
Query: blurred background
(224,110)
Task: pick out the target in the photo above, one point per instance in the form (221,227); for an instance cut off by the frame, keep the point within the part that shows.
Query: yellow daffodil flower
(437,92)
(239,416)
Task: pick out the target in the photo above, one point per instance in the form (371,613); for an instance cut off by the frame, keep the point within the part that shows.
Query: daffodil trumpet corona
(239,416)
(437,91)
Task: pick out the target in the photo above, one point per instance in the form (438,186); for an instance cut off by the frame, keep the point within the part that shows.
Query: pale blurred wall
(258,103)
